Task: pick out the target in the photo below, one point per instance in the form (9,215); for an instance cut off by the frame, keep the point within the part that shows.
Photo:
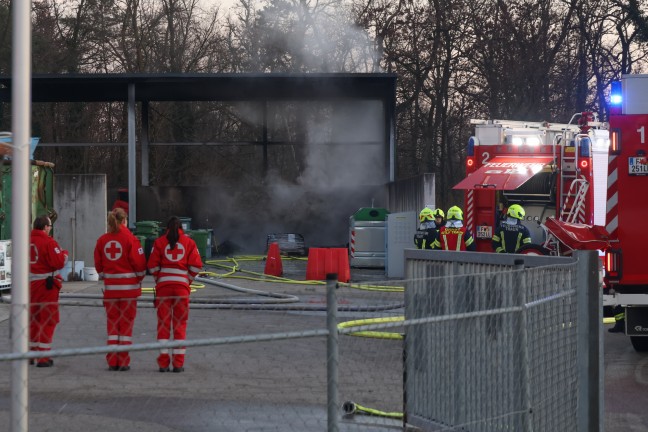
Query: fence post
(332,352)
(521,290)
(589,342)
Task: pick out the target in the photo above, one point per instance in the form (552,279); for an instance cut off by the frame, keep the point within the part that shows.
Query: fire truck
(626,264)
(557,172)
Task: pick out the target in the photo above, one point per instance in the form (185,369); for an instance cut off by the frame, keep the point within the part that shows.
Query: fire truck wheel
(639,343)
(533,249)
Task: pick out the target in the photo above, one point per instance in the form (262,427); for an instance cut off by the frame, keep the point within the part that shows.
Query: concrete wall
(80,201)
(412,194)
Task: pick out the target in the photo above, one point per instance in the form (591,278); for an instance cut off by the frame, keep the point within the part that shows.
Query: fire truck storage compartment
(367,237)
(539,188)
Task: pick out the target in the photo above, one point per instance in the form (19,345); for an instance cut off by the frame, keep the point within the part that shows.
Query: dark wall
(241,220)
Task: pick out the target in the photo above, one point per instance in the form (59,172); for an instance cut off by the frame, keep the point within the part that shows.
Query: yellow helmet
(516,211)
(438,213)
(455,213)
(426,215)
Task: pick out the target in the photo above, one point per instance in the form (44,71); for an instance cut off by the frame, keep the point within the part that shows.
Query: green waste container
(142,239)
(147,228)
(147,244)
(203,242)
(367,232)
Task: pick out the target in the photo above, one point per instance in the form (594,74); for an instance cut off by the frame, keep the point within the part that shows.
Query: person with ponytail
(121,263)
(174,263)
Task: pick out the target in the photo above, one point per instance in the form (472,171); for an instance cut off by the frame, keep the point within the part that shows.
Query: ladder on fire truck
(573,186)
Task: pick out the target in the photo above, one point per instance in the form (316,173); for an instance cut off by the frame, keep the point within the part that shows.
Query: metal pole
(332,352)
(521,288)
(589,343)
(132,161)
(20,217)
(145,143)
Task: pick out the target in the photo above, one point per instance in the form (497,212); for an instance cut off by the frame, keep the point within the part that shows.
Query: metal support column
(332,352)
(20,218)
(132,160)
(264,139)
(145,143)
(589,298)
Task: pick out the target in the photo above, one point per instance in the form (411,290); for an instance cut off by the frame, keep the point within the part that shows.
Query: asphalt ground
(265,386)
(260,386)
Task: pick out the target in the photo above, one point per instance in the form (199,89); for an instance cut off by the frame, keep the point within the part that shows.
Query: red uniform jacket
(119,259)
(454,239)
(175,268)
(46,257)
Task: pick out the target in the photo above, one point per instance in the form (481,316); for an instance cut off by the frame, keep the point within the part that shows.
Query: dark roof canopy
(206,87)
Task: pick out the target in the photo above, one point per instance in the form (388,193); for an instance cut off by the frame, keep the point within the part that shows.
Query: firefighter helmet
(516,211)
(426,215)
(438,213)
(455,213)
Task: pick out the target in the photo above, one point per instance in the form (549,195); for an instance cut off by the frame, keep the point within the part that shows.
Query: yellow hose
(231,265)
(354,408)
(373,334)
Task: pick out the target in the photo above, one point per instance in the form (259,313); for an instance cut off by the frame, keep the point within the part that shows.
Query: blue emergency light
(470,150)
(616,95)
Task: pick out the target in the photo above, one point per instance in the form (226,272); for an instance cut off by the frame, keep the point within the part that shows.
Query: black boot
(619,327)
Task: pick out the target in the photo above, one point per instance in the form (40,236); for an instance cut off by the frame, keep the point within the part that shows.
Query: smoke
(337,164)
(344,169)
(316,37)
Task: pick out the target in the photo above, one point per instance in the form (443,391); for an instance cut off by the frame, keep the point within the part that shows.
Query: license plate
(484,232)
(638,166)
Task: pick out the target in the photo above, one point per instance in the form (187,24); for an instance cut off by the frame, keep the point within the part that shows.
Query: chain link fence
(264,355)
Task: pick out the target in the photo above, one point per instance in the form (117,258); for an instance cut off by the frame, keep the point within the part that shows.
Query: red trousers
(44,316)
(120,314)
(172,311)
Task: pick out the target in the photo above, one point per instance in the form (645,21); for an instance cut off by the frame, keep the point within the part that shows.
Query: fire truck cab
(557,172)
(626,265)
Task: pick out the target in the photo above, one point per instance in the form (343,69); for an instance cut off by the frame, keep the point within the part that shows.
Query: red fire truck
(627,210)
(557,172)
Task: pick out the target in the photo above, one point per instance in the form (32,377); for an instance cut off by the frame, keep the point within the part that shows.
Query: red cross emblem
(33,254)
(176,254)
(113,250)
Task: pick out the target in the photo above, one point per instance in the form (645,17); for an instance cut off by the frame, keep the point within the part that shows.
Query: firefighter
(454,236)
(122,200)
(174,263)
(619,320)
(46,258)
(120,262)
(439,218)
(511,235)
(424,236)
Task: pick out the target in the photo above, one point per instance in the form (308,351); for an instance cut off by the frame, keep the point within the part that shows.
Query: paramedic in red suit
(122,200)
(120,262)
(46,258)
(174,263)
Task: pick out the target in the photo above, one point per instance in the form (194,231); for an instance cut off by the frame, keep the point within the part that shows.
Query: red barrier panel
(322,261)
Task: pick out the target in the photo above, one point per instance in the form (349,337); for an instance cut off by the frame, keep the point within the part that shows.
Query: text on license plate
(638,166)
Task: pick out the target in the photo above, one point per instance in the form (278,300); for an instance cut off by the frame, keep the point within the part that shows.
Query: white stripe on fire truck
(612,202)
(612,177)
(613,225)
(470,220)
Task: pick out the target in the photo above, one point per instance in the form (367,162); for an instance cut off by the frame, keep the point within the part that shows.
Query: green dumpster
(147,228)
(203,243)
(367,229)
